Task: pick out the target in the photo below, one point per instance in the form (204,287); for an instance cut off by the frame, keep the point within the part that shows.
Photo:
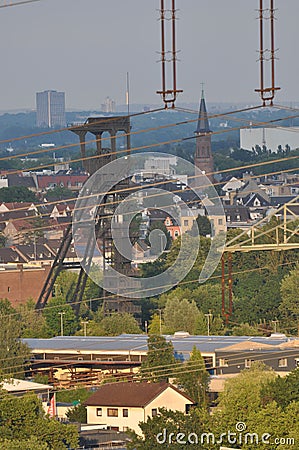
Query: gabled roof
(251,187)
(19,180)
(23,206)
(248,345)
(129,394)
(290,344)
(203,121)
(20,224)
(9,255)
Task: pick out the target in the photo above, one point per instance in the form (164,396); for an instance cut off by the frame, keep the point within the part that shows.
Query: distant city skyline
(85,48)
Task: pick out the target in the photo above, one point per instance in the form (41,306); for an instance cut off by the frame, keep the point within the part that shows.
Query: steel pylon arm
(283,236)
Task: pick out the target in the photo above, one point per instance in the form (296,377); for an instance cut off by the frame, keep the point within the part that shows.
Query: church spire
(203,157)
(203,121)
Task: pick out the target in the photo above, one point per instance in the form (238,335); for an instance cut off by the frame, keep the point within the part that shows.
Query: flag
(52,405)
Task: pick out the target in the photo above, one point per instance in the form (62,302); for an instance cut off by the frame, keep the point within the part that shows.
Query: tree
(282,390)
(55,306)
(244,329)
(32,443)
(208,297)
(179,314)
(13,353)
(23,418)
(77,414)
(65,284)
(163,431)
(33,324)
(289,293)
(194,378)
(203,227)
(17,194)
(242,394)
(60,193)
(160,363)
(155,325)
(118,323)
(216,325)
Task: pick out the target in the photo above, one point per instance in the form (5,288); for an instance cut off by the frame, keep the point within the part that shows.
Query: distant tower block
(203,155)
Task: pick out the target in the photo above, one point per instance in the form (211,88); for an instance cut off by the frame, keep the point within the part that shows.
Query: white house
(122,405)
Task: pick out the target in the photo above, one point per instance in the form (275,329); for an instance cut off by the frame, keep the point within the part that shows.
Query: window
(8,289)
(228,218)
(186,223)
(125,412)
(99,412)
(112,412)
(248,363)
(223,362)
(220,222)
(154,412)
(283,362)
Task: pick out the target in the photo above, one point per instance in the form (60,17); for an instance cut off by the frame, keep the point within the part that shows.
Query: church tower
(203,158)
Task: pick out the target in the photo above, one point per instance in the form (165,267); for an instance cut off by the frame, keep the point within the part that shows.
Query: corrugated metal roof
(138,342)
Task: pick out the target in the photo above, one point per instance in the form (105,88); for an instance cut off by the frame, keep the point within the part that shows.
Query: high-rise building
(108,106)
(50,109)
(203,158)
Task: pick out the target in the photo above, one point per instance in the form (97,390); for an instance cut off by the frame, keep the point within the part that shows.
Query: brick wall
(19,284)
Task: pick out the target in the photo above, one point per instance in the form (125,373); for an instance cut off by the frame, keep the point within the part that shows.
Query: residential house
(62,179)
(121,406)
(230,188)
(254,198)
(237,216)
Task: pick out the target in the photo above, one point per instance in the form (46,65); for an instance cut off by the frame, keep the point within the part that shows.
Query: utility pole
(209,318)
(160,316)
(84,323)
(62,313)
(275,323)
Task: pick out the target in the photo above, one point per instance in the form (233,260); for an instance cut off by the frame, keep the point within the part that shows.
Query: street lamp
(62,313)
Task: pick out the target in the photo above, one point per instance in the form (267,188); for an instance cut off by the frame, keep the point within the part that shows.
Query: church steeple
(203,158)
(203,121)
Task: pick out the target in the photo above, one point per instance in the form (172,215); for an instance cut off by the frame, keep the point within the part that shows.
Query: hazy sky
(85,48)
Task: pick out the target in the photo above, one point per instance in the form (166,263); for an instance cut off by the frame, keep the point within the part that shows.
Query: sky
(85,48)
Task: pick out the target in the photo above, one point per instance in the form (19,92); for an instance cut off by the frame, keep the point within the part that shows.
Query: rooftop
(138,343)
(129,394)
